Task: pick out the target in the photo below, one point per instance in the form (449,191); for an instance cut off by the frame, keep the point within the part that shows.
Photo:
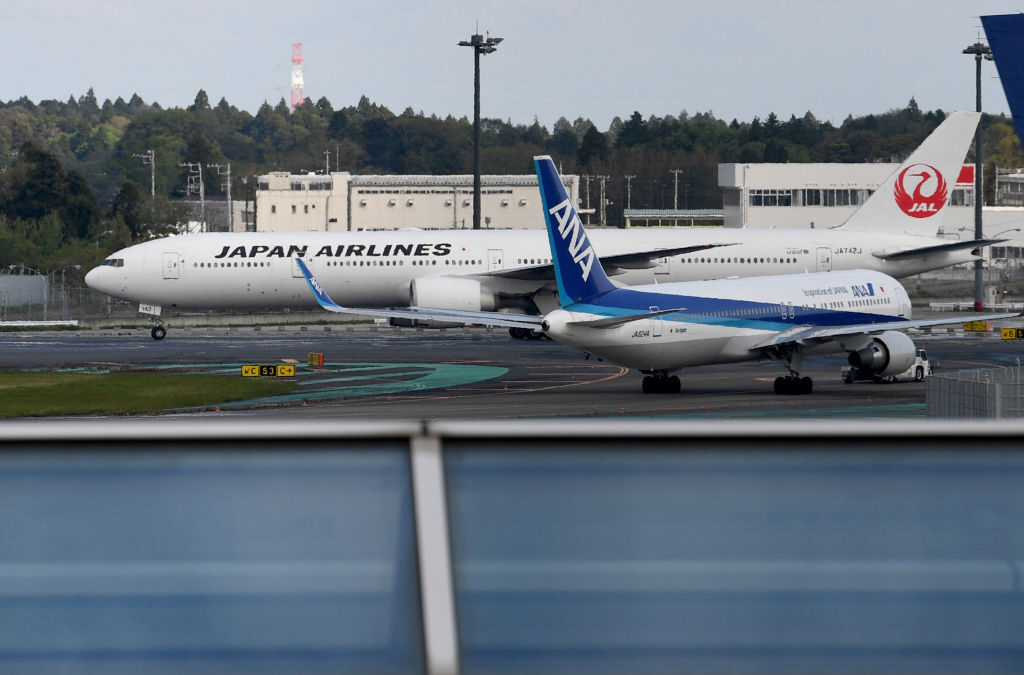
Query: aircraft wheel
(674,385)
(805,386)
(781,386)
(517,333)
(648,384)
(158,332)
(533,334)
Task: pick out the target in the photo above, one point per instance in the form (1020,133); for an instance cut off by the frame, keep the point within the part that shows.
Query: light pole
(480,46)
(980,52)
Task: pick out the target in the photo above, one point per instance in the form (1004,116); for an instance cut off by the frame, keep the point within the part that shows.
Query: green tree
(128,205)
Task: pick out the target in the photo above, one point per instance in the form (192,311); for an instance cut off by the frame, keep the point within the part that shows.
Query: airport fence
(995,393)
(31,298)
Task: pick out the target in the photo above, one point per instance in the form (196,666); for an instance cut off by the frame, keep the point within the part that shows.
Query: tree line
(74,183)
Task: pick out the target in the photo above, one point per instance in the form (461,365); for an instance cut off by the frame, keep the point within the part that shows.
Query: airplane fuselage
(728,320)
(378,269)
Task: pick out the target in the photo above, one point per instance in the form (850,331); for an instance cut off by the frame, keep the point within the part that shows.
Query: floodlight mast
(980,51)
(480,46)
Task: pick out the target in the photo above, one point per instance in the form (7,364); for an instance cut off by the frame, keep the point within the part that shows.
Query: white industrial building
(343,202)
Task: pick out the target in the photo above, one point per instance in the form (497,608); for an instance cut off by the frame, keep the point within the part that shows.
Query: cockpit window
(113,262)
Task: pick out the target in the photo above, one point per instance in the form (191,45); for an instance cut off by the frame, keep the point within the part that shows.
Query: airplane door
(495,259)
(655,324)
(663,265)
(172,265)
(824,259)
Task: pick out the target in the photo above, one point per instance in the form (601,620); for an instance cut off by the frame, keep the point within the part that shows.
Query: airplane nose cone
(104,280)
(92,278)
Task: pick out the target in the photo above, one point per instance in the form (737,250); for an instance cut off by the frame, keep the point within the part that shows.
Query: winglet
(578,271)
(319,293)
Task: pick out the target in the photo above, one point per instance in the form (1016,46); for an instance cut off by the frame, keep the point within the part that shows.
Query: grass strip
(44,394)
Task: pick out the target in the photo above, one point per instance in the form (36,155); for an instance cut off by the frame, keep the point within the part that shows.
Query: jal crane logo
(920,191)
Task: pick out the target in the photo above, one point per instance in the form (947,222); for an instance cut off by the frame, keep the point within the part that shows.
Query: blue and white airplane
(660,329)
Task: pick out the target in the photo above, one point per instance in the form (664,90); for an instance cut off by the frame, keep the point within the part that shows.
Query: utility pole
(586,192)
(980,51)
(227,186)
(327,163)
(629,191)
(149,157)
(195,184)
(675,193)
(602,217)
(480,46)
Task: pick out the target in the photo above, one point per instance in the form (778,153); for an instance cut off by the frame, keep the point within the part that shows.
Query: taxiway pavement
(381,372)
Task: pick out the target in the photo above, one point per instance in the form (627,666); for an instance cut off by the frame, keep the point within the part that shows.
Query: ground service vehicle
(918,370)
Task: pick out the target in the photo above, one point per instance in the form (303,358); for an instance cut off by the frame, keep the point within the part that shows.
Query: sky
(595,59)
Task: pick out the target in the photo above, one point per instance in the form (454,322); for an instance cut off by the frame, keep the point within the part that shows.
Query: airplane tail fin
(578,271)
(1005,33)
(915,197)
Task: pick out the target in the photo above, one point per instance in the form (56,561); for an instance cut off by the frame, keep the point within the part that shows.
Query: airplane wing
(421,313)
(614,264)
(938,248)
(816,333)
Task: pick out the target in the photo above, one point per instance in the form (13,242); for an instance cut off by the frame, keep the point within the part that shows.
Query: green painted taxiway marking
(419,377)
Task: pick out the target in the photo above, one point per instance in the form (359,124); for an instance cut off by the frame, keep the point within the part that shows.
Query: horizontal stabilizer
(938,248)
(613,321)
(421,313)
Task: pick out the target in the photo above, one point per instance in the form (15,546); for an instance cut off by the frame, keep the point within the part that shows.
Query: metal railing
(540,546)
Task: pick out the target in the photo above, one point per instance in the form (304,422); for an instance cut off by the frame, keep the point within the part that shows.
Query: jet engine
(451,293)
(887,354)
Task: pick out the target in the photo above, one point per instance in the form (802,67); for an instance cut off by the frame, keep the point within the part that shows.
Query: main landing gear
(525,334)
(661,383)
(792,384)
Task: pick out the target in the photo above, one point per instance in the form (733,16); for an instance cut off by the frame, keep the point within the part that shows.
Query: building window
(771,197)
(273,208)
(841,197)
(294,210)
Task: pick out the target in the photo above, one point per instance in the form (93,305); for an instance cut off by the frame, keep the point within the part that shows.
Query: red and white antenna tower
(298,95)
